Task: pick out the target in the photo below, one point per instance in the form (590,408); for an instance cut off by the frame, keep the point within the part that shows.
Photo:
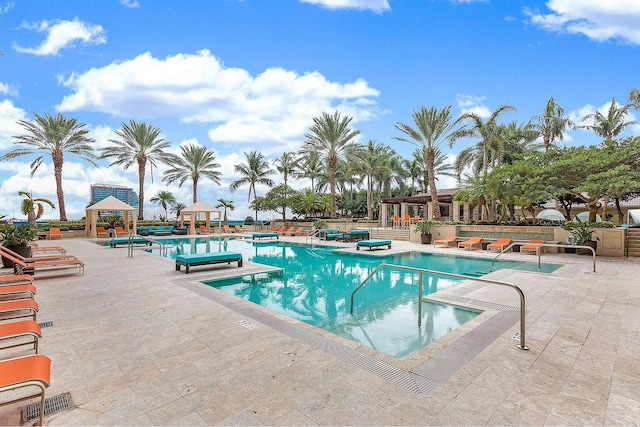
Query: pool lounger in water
(125,241)
(189,260)
(255,236)
(373,244)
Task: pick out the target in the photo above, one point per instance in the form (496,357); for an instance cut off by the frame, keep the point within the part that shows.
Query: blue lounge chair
(373,244)
(258,236)
(125,241)
(189,260)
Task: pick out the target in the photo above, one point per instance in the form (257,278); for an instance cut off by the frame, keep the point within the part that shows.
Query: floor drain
(46,324)
(51,406)
(246,324)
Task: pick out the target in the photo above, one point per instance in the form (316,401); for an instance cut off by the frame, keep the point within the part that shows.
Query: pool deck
(137,343)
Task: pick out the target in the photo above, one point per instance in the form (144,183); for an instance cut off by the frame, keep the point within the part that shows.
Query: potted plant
(581,235)
(424,227)
(17,238)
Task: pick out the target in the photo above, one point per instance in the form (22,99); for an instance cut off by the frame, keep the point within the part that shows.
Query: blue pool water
(314,285)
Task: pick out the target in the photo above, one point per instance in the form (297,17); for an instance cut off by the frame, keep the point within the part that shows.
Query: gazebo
(110,204)
(193,210)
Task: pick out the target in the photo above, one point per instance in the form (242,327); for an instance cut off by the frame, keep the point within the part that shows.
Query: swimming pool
(314,285)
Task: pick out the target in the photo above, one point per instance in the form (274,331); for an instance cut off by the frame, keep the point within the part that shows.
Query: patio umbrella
(550,215)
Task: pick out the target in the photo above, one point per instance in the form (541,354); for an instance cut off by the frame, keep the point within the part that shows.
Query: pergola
(110,204)
(193,211)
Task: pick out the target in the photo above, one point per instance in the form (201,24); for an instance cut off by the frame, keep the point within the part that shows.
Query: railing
(550,245)
(309,237)
(131,244)
(521,346)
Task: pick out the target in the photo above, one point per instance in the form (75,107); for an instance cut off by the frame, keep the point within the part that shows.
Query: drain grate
(51,406)
(46,324)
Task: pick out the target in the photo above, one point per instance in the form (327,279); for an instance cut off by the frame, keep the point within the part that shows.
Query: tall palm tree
(372,161)
(487,131)
(54,136)
(432,128)
(254,171)
(330,136)
(552,123)
(177,207)
(139,143)
(194,162)
(612,124)
(32,207)
(441,166)
(164,198)
(226,204)
(310,167)
(634,98)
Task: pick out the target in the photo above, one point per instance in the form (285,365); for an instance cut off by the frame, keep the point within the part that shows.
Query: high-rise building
(120,192)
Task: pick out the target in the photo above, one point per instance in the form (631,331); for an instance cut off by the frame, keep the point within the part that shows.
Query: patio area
(137,343)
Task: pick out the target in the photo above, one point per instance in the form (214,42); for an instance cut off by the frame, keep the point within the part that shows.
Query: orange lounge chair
(532,247)
(24,267)
(54,233)
(396,221)
(407,221)
(101,232)
(240,229)
(15,292)
(10,280)
(280,230)
(473,241)
(16,309)
(296,232)
(227,229)
(120,231)
(46,249)
(500,244)
(204,230)
(4,250)
(20,329)
(447,242)
(26,371)
(288,231)
(274,228)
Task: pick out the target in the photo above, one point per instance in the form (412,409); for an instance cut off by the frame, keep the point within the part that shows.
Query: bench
(258,236)
(125,241)
(356,235)
(373,244)
(189,260)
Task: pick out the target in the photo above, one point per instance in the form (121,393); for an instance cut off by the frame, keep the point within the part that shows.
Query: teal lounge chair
(189,260)
(373,244)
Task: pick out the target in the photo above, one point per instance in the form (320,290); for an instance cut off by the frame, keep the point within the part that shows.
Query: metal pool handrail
(550,245)
(131,247)
(521,346)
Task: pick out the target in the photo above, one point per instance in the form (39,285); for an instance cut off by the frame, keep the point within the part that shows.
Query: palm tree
(432,128)
(33,208)
(634,98)
(254,171)
(226,204)
(311,167)
(487,131)
(177,207)
(612,124)
(552,124)
(330,136)
(372,161)
(164,198)
(441,166)
(54,136)
(139,143)
(194,161)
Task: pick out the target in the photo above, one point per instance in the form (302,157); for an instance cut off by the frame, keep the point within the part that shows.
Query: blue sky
(241,75)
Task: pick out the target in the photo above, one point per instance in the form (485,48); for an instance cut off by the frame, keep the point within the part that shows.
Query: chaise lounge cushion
(373,244)
(189,260)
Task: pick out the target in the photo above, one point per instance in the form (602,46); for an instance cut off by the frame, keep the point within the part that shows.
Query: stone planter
(425,239)
(25,251)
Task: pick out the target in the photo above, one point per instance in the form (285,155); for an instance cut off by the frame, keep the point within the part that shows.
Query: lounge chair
(473,241)
(259,236)
(54,233)
(29,267)
(500,244)
(373,244)
(280,229)
(297,232)
(120,231)
(447,242)
(189,260)
(15,292)
(26,371)
(10,280)
(240,229)
(47,249)
(274,227)
(21,329)
(532,247)
(16,309)
(287,231)
(101,232)
(227,229)
(204,230)
(4,250)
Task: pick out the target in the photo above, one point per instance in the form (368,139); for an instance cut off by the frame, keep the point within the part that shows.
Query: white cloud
(473,104)
(9,127)
(598,20)
(63,34)
(5,89)
(577,115)
(377,6)
(130,3)
(271,110)
(5,9)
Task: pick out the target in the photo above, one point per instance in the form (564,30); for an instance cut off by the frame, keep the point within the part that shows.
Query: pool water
(314,285)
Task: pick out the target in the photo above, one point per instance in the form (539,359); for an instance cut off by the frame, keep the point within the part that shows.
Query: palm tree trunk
(142,164)
(195,190)
(333,164)
(57,168)
(369,197)
(430,158)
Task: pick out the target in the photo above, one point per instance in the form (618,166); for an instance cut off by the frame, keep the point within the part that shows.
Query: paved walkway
(137,343)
